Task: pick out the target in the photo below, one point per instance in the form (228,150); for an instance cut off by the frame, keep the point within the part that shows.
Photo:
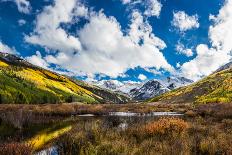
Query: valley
(44,112)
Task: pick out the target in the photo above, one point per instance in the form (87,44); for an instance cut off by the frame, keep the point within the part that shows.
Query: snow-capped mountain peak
(144,90)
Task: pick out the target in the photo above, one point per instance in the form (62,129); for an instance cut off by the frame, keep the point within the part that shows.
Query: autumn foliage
(167,126)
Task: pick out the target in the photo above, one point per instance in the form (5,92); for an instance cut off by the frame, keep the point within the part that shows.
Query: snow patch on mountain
(144,90)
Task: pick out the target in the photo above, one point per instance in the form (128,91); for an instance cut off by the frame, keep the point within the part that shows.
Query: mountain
(154,87)
(226,66)
(143,90)
(216,87)
(22,82)
(108,84)
(173,82)
(149,89)
(117,86)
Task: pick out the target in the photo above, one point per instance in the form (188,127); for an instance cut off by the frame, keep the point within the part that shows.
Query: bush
(167,127)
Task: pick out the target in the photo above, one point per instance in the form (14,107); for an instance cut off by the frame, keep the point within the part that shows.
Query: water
(131,114)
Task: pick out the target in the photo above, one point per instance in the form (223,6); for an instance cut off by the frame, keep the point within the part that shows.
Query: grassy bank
(97,109)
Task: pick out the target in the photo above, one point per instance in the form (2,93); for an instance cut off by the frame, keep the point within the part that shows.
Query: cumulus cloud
(21,22)
(184,22)
(48,32)
(153,8)
(100,47)
(37,60)
(108,51)
(125,1)
(142,77)
(23,6)
(180,48)
(6,49)
(209,59)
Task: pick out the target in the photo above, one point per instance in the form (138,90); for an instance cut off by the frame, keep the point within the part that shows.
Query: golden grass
(41,80)
(3,64)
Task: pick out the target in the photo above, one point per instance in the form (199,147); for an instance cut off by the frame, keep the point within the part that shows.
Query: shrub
(166,126)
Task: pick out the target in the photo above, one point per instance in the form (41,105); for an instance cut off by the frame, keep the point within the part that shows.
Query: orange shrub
(166,126)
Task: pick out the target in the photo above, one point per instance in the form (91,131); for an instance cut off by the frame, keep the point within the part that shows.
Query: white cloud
(221,33)
(153,8)
(100,46)
(23,6)
(37,60)
(125,1)
(108,51)
(21,22)
(210,59)
(207,61)
(142,77)
(6,49)
(153,71)
(184,22)
(48,32)
(182,50)
(178,65)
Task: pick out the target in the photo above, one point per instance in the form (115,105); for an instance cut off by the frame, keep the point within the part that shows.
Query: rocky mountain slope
(144,90)
(22,82)
(154,87)
(117,86)
(216,87)
(149,89)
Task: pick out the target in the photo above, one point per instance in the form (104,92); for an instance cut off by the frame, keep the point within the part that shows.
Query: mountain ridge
(144,90)
(23,82)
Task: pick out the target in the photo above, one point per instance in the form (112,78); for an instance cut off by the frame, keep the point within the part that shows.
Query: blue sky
(119,39)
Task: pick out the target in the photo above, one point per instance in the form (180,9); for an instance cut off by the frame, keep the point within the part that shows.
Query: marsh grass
(164,136)
(15,149)
(207,129)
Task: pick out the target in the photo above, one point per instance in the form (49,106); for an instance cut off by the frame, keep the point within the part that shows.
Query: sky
(124,40)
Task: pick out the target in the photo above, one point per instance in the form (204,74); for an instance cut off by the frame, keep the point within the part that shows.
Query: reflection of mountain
(217,87)
(22,82)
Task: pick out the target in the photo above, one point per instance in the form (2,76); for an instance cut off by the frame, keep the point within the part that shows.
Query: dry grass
(218,110)
(166,126)
(207,131)
(15,149)
(165,136)
(98,109)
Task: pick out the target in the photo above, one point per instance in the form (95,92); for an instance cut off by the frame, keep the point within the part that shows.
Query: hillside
(217,87)
(22,82)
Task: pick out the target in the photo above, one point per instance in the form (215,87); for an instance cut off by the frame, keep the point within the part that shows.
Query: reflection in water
(144,114)
(50,151)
